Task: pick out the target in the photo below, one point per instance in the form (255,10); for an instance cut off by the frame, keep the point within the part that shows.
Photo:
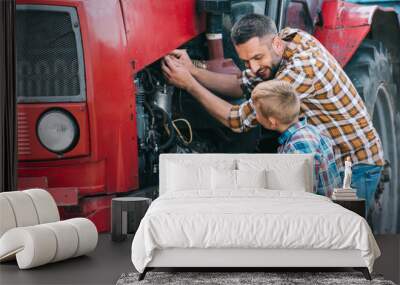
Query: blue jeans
(365,180)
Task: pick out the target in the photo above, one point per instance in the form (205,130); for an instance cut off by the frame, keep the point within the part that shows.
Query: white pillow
(182,177)
(191,174)
(226,179)
(251,178)
(281,180)
(283,171)
(223,179)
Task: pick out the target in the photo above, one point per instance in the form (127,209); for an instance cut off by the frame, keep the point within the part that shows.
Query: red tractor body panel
(118,38)
(103,41)
(345,26)
(29,146)
(154,28)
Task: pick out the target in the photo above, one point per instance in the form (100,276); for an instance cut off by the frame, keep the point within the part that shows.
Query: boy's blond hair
(277,99)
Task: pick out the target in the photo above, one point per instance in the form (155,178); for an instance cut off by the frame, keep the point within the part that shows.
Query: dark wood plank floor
(110,260)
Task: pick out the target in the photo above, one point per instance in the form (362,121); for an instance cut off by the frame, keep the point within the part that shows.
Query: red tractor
(94,111)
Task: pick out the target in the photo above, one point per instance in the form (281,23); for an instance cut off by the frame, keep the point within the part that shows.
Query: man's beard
(272,71)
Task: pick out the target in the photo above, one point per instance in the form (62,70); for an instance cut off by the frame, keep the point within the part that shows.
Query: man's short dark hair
(252,25)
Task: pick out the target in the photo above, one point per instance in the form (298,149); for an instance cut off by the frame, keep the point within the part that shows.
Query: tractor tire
(371,71)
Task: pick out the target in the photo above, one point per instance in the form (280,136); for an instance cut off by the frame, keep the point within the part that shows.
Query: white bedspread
(250,219)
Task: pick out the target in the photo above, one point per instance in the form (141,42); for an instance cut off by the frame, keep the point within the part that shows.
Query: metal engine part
(142,118)
(163,97)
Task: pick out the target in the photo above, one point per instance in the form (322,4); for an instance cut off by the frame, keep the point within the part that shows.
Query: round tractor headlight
(57,130)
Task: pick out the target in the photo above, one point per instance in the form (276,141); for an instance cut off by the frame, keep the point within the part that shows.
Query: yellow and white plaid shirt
(328,98)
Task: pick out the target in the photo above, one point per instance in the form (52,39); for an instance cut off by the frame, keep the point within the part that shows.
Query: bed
(247,210)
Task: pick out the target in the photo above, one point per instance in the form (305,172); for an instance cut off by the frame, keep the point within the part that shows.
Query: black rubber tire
(371,71)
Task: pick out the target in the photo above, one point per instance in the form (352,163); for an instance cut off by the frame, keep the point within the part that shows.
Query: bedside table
(357,205)
(126,214)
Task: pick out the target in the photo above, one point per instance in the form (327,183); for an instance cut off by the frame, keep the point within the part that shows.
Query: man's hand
(184,59)
(224,84)
(177,73)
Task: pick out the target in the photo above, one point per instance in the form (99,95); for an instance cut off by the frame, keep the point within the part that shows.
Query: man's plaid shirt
(305,138)
(328,99)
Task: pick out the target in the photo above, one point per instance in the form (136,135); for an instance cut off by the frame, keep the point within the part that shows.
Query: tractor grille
(24,146)
(49,63)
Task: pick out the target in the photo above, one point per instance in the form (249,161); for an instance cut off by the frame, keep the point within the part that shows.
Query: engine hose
(185,141)
(149,81)
(166,122)
(150,111)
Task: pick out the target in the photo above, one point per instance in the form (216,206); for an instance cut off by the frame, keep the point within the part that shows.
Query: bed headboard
(282,163)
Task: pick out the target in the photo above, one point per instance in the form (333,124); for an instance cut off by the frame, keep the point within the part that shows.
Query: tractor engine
(161,126)
(169,120)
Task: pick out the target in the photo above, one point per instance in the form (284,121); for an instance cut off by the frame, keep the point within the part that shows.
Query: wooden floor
(110,260)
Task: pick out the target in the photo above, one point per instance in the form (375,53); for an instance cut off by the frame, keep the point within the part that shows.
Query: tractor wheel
(371,71)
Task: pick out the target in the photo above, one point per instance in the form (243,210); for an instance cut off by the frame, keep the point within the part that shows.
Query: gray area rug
(233,278)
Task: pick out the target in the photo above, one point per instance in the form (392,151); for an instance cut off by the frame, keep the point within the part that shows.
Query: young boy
(277,108)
